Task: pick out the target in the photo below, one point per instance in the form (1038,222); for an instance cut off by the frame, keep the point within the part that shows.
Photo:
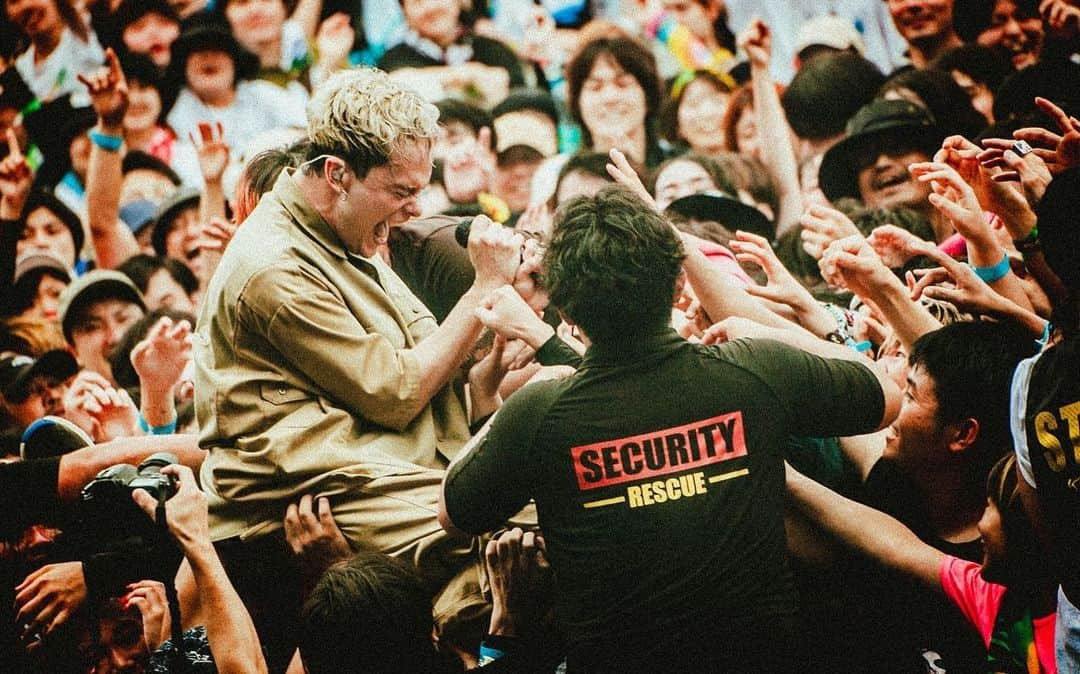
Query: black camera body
(115,537)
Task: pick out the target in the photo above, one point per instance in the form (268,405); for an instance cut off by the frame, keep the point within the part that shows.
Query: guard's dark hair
(827,91)
(261,172)
(946,100)
(971,364)
(371,613)
(632,56)
(611,266)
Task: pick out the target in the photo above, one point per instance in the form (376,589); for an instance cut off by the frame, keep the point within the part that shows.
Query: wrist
(502,624)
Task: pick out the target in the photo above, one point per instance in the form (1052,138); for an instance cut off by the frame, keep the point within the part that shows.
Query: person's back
(657,469)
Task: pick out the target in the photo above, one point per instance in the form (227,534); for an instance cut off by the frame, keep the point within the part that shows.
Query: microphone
(461,232)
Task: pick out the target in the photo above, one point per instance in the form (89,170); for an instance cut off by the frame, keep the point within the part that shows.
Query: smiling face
(256,22)
(701,114)
(1017,33)
(922,20)
(916,439)
(612,102)
(886,182)
(436,20)
(97,331)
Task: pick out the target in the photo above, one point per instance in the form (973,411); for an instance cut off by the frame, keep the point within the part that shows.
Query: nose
(412,207)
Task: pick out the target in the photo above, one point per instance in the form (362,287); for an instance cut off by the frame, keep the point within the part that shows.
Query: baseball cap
(829,30)
(17,371)
(94,286)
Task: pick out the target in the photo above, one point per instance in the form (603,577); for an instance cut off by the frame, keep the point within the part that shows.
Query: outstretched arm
(869,531)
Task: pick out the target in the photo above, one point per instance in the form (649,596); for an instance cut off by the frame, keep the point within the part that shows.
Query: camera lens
(155,462)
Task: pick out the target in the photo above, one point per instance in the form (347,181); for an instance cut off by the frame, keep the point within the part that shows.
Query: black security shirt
(658,478)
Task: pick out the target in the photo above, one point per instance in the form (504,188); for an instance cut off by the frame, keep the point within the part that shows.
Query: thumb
(486,316)
(145,501)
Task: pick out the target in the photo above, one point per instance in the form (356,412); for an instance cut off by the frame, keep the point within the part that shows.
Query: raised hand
(160,358)
(185,512)
(16,177)
(495,252)
(212,150)
(334,40)
(1060,151)
(624,174)
(148,596)
(894,245)
(756,41)
(821,225)
(46,598)
(108,91)
(954,197)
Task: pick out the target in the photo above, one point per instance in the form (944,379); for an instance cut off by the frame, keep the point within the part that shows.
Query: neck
(633,143)
(954,511)
(923,53)
(269,52)
(220,100)
(46,42)
(139,139)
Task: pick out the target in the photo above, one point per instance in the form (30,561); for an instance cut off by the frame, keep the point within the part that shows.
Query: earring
(344,195)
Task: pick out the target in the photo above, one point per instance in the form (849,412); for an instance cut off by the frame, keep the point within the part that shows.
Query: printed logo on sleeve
(647,459)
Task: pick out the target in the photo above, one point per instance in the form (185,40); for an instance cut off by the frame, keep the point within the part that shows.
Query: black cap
(878,125)
(183,197)
(728,211)
(16,372)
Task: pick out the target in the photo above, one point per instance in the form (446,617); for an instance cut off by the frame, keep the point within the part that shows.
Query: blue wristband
(995,273)
(489,654)
(167,429)
(106,142)
(1041,341)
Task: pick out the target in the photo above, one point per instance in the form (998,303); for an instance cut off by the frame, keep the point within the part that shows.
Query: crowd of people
(539,336)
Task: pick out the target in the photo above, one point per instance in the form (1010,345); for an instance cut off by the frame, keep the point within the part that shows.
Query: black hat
(1059,227)
(878,125)
(209,35)
(718,207)
(16,372)
(183,197)
(130,11)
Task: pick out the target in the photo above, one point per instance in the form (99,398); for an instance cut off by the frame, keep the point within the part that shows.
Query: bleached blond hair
(363,116)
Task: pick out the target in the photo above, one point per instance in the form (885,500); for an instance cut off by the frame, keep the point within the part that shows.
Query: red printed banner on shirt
(649,455)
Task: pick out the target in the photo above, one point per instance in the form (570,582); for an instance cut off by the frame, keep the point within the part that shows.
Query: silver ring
(1021,148)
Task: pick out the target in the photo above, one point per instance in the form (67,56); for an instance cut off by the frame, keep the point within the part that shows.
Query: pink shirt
(980,600)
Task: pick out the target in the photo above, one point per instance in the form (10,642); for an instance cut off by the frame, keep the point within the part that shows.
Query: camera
(115,536)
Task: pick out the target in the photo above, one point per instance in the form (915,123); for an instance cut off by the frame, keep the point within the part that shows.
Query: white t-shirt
(258,107)
(56,75)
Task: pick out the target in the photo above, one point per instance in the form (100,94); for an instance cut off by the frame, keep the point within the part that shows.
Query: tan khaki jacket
(305,379)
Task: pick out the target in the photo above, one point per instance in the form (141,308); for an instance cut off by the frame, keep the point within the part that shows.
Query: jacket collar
(307,219)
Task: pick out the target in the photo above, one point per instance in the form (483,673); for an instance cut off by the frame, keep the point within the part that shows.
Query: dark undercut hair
(611,266)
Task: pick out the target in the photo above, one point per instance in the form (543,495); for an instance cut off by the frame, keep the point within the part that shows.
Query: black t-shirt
(658,477)
(484,50)
(1046,433)
(430,261)
(914,625)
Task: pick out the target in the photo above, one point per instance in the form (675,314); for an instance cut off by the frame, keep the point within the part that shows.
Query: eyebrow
(912,386)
